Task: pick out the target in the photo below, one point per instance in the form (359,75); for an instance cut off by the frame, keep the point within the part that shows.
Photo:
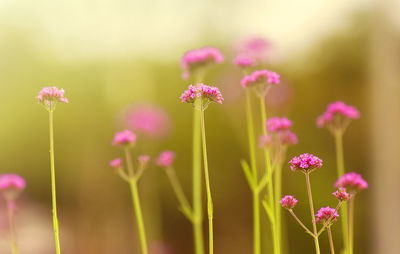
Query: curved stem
(351,225)
(11,222)
(53,183)
(301,223)
(208,187)
(310,200)
(180,194)
(331,241)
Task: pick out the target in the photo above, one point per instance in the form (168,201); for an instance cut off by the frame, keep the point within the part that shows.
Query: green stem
(177,187)
(13,241)
(278,194)
(53,183)
(351,225)
(331,241)
(301,223)
(256,196)
(208,187)
(310,200)
(136,202)
(340,171)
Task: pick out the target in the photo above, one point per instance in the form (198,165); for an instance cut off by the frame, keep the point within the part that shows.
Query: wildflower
(288,138)
(260,81)
(116,163)
(352,182)
(11,185)
(288,202)
(198,58)
(305,162)
(264,141)
(337,116)
(326,213)
(341,194)
(49,96)
(125,137)
(143,160)
(208,93)
(255,47)
(275,124)
(244,61)
(166,158)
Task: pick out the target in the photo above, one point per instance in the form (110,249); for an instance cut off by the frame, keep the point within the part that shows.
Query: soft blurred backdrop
(112,55)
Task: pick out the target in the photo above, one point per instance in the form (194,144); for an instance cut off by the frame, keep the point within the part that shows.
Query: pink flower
(260,77)
(209,93)
(341,194)
(352,182)
(275,124)
(264,141)
(243,61)
(287,138)
(49,96)
(116,163)
(143,160)
(11,185)
(288,202)
(125,137)
(337,115)
(326,213)
(197,58)
(149,119)
(255,47)
(305,162)
(166,158)
(279,138)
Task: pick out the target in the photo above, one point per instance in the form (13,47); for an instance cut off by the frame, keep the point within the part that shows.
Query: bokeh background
(113,55)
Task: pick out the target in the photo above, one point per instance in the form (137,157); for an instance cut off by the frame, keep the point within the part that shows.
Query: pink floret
(275,124)
(243,61)
(51,94)
(305,162)
(337,108)
(288,202)
(351,181)
(116,163)
(326,213)
(166,158)
(12,181)
(125,137)
(210,93)
(341,194)
(199,57)
(260,77)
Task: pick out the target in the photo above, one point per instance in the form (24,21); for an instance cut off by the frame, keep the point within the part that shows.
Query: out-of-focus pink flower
(275,124)
(159,248)
(244,61)
(341,194)
(125,137)
(287,138)
(305,162)
(260,77)
(279,138)
(288,202)
(352,182)
(197,58)
(166,158)
(264,141)
(326,213)
(337,115)
(116,163)
(209,93)
(255,47)
(149,120)
(143,160)
(49,96)
(11,185)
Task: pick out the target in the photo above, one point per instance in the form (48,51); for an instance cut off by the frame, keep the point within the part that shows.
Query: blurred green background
(109,55)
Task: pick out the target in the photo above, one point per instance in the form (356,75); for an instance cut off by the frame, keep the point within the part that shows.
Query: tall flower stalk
(49,97)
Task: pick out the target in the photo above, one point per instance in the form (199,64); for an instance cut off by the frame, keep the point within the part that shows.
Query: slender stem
(177,187)
(11,222)
(197,182)
(301,223)
(256,196)
(340,171)
(331,241)
(278,194)
(329,220)
(310,200)
(53,183)
(208,187)
(136,202)
(351,225)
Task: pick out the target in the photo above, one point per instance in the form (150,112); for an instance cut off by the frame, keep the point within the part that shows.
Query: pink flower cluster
(210,93)
(278,133)
(351,181)
(341,194)
(166,158)
(125,137)
(199,57)
(143,160)
(255,46)
(305,162)
(260,77)
(243,61)
(275,124)
(12,181)
(116,163)
(51,94)
(288,202)
(326,213)
(337,108)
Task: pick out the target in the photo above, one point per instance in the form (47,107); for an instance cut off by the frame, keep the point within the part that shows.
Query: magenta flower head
(143,160)
(11,185)
(341,194)
(260,80)
(196,59)
(124,138)
(326,213)
(275,124)
(244,61)
(305,162)
(337,116)
(165,159)
(116,164)
(49,96)
(352,181)
(206,93)
(288,202)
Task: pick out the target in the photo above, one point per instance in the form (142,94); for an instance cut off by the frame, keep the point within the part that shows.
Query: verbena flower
(326,213)
(11,185)
(288,202)
(260,81)
(286,138)
(125,137)
(207,93)
(166,158)
(255,47)
(116,163)
(275,124)
(199,58)
(143,160)
(341,194)
(49,96)
(337,116)
(243,61)
(305,162)
(352,182)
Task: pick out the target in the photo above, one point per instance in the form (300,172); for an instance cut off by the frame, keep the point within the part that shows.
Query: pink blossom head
(206,93)
(165,159)
(150,120)
(265,141)
(287,138)
(49,96)
(196,59)
(305,162)
(11,185)
(255,47)
(275,124)
(326,213)
(116,164)
(143,160)
(260,81)
(288,202)
(244,61)
(337,116)
(341,194)
(124,138)
(352,181)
